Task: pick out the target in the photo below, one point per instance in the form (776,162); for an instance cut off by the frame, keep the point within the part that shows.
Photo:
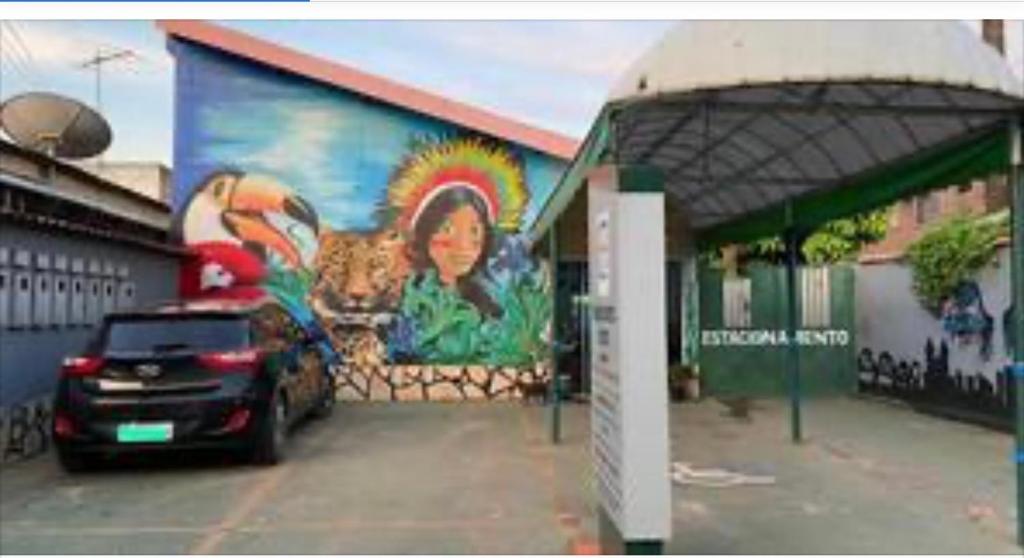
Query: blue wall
(336,148)
(339,197)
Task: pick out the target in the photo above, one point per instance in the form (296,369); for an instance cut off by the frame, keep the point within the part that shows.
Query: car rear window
(176,334)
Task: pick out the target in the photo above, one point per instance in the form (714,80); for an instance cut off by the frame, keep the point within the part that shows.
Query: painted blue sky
(340,150)
(553,74)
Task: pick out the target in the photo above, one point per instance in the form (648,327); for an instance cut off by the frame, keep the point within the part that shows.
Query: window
(193,333)
(5,298)
(42,300)
(736,302)
(60,300)
(22,300)
(816,297)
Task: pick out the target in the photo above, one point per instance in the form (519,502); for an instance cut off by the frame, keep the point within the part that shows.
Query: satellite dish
(55,125)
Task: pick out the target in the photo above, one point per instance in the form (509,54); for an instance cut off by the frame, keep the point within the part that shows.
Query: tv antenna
(105,55)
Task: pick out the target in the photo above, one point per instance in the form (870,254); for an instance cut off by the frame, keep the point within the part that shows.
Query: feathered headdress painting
(487,169)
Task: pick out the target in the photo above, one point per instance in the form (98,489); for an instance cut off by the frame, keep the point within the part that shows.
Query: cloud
(295,142)
(309,130)
(597,49)
(289,140)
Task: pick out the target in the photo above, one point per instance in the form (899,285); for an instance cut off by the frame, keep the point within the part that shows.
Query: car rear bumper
(198,421)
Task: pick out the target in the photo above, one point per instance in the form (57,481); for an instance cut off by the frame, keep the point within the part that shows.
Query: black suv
(192,375)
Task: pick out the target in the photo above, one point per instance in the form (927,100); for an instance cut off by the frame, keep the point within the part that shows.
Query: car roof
(204,307)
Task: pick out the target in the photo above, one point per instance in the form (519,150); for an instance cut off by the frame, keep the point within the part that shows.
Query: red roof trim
(346,77)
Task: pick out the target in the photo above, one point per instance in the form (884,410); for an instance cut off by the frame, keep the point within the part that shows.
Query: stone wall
(438,383)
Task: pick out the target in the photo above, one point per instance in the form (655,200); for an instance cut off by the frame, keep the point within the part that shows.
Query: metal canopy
(743,116)
(730,152)
(767,127)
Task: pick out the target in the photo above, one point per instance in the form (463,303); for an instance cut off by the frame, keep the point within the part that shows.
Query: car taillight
(246,359)
(237,420)
(81,366)
(62,426)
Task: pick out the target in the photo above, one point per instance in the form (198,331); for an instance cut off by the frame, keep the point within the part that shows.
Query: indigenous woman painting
(458,204)
(451,237)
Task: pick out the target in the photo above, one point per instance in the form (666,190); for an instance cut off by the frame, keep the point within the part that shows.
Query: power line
(18,58)
(13,28)
(9,48)
(12,61)
(26,51)
(13,48)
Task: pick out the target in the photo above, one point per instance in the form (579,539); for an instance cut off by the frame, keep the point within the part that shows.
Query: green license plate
(145,432)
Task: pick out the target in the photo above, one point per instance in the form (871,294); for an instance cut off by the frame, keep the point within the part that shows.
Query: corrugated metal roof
(743,117)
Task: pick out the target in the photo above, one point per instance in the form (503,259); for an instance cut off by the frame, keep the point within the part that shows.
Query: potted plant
(683,382)
(691,382)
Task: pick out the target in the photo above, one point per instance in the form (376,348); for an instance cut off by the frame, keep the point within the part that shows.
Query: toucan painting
(255,211)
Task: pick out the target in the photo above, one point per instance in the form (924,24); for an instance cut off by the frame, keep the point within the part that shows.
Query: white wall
(890,318)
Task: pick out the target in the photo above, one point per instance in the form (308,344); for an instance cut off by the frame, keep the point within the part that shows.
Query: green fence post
(555,390)
(792,257)
(1016,180)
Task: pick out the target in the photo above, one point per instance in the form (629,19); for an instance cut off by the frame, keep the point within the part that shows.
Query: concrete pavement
(870,478)
(374,478)
(482,478)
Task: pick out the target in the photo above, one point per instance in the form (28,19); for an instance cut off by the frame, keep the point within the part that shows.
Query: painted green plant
(435,325)
(518,337)
(289,287)
(448,328)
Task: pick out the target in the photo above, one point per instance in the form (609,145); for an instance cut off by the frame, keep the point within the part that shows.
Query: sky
(552,74)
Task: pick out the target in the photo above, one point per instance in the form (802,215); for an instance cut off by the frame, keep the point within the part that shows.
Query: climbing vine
(835,241)
(951,253)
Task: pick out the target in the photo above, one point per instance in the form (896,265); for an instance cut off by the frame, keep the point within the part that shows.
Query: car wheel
(325,404)
(273,434)
(71,461)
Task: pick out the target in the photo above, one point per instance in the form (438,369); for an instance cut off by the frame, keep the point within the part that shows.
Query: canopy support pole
(1016,180)
(555,386)
(792,257)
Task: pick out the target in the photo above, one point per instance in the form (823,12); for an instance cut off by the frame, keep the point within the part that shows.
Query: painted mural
(399,235)
(928,380)
(955,362)
(965,319)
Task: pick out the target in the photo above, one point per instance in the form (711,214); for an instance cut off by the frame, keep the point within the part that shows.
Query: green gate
(749,359)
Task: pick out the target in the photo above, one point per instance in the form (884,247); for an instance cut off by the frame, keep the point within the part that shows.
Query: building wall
(32,353)
(152,180)
(62,180)
(954,358)
(910,218)
(399,233)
